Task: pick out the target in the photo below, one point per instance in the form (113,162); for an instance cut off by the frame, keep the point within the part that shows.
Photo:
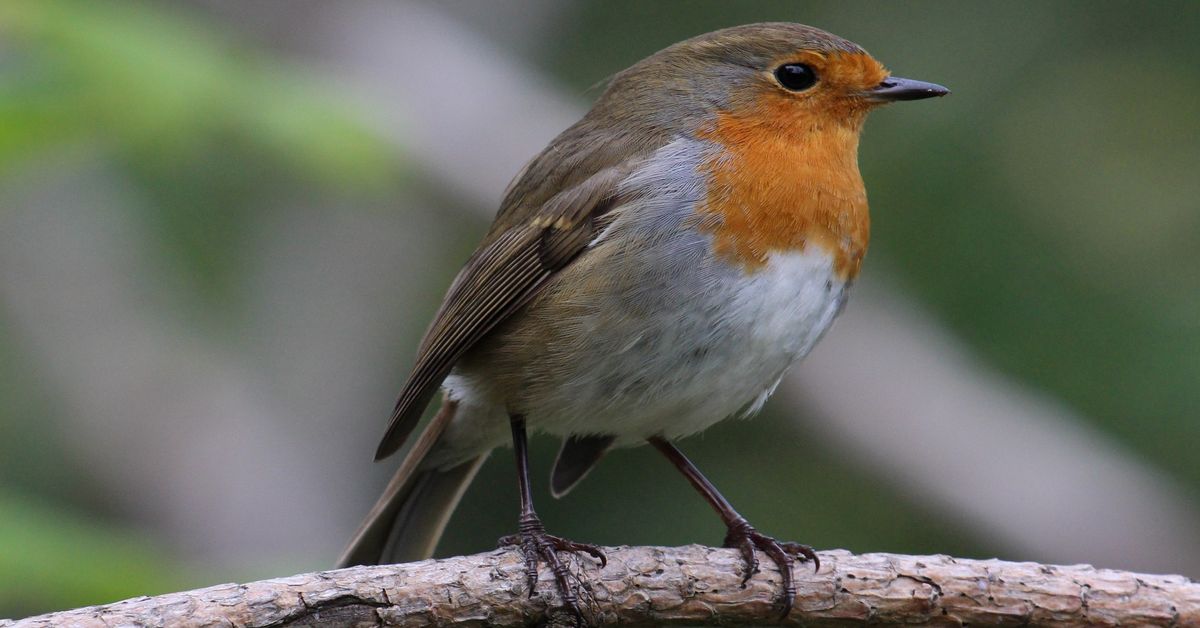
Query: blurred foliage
(199,119)
(1046,212)
(165,86)
(56,557)
(204,124)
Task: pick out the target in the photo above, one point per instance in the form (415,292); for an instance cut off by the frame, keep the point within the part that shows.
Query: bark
(691,585)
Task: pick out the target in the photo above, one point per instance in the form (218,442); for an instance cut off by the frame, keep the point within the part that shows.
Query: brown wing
(524,249)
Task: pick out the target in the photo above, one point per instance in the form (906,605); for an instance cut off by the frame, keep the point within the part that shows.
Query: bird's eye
(796,77)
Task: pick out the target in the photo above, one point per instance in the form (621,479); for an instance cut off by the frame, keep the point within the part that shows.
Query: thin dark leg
(532,538)
(740,533)
(699,482)
(521,455)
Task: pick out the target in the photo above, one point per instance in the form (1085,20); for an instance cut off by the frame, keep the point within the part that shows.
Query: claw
(744,537)
(538,546)
(746,547)
(804,552)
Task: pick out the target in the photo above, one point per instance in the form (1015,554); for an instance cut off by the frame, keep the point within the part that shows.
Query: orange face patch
(846,71)
(787,177)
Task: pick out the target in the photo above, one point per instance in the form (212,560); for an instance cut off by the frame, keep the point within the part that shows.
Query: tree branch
(691,585)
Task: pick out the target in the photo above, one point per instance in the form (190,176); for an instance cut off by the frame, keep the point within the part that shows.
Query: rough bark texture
(690,585)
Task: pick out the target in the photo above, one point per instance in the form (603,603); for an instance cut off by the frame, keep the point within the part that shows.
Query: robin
(654,270)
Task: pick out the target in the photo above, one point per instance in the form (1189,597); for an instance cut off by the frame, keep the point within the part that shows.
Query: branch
(691,585)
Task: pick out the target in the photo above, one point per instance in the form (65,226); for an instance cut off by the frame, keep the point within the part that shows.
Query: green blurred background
(224,225)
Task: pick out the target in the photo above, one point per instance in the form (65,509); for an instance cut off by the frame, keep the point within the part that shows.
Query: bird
(654,270)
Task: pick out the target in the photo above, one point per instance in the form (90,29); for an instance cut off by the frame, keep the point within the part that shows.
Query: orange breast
(784,183)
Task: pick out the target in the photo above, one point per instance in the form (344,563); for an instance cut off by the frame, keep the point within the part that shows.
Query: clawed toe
(746,539)
(565,545)
(803,552)
(538,546)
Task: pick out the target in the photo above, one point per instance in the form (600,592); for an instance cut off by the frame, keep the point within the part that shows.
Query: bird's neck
(787,186)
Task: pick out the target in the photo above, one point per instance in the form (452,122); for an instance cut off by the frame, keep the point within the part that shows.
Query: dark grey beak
(895,88)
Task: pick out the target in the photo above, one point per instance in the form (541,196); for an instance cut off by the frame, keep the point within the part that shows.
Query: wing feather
(504,275)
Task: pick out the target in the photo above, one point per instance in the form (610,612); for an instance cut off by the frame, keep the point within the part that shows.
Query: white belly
(668,360)
(700,359)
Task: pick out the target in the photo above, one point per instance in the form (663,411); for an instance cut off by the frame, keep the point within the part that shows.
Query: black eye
(796,77)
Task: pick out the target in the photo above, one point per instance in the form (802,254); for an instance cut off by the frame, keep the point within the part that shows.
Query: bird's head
(787,75)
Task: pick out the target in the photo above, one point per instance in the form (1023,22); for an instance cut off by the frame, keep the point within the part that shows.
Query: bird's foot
(537,545)
(745,538)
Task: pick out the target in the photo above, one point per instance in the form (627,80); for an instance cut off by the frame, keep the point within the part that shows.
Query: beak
(895,88)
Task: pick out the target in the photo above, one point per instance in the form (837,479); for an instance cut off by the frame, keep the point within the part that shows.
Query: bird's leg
(741,534)
(532,538)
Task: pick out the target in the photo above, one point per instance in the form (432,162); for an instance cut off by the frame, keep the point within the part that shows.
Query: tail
(407,521)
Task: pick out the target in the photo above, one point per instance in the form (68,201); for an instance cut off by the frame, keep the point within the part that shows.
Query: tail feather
(424,514)
(407,520)
(577,457)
